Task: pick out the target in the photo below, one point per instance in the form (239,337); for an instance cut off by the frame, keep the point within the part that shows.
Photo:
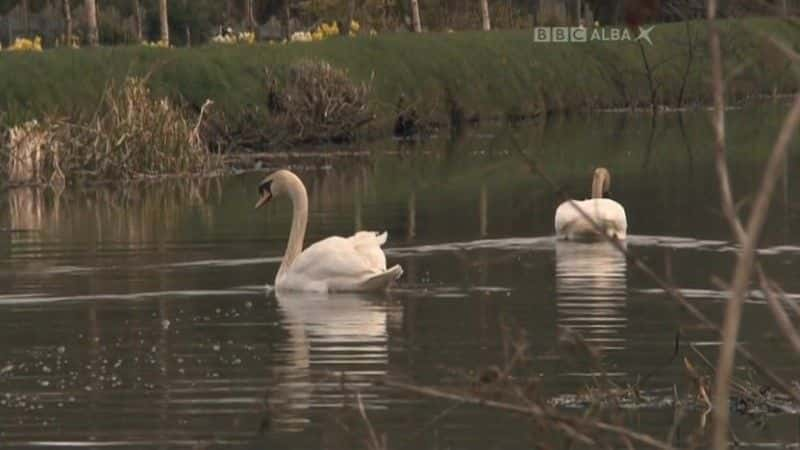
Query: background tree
(415,21)
(25,10)
(351,11)
(249,15)
(137,20)
(485,23)
(91,23)
(163,21)
(286,18)
(229,11)
(67,22)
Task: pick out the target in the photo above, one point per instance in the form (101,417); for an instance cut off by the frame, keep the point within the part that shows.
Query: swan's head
(601,183)
(276,184)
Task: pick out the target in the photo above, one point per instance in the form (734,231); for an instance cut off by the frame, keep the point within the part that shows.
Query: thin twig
(742,275)
(667,287)
(374,442)
(718,122)
(781,317)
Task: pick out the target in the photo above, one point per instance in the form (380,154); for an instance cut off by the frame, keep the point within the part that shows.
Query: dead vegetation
(316,103)
(508,387)
(133,134)
(320,102)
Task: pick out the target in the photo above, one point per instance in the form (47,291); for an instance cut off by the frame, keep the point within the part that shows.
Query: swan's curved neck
(297,193)
(598,183)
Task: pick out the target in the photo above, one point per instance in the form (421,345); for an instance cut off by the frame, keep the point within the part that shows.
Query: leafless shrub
(133,134)
(316,103)
(321,103)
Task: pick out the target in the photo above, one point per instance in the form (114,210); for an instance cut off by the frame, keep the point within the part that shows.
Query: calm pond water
(138,317)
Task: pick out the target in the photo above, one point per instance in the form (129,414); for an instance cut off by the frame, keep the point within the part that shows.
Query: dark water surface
(139,317)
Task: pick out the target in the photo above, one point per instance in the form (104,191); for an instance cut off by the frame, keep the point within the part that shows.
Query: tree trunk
(485,23)
(249,16)
(351,12)
(67,23)
(137,20)
(91,23)
(415,22)
(287,19)
(228,12)
(162,14)
(26,24)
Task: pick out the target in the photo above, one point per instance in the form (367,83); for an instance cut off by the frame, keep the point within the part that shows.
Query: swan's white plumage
(572,225)
(582,220)
(340,264)
(355,263)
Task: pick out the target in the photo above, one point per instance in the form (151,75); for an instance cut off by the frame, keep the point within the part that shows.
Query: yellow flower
(24,44)
(301,36)
(329,29)
(354,26)
(246,37)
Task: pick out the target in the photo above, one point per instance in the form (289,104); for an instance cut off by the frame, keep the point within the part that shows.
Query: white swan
(610,215)
(356,263)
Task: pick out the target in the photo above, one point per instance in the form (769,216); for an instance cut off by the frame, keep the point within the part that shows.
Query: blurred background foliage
(196,21)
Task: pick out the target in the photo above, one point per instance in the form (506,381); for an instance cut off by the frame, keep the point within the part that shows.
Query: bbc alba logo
(583,34)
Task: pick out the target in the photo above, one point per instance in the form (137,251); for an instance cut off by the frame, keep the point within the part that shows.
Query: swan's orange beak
(263,200)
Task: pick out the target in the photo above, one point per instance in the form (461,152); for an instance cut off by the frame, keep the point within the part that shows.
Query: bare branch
(748,240)
(667,287)
(781,317)
(374,442)
(534,410)
(718,122)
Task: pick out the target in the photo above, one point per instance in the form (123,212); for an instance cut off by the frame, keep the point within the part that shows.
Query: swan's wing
(368,245)
(331,258)
(569,222)
(341,264)
(566,215)
(612,214)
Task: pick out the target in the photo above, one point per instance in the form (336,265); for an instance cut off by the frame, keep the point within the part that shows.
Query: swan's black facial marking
(265,188)
(264,193)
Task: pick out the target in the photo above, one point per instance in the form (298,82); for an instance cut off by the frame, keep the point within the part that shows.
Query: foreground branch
(533,410)
(748,238)
(742,275)
(663,284)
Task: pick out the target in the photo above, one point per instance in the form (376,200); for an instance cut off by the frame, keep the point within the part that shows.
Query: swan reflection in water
(591,290)
(331,337)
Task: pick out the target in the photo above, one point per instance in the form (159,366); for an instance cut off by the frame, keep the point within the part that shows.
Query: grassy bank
(442,75)
(497,72)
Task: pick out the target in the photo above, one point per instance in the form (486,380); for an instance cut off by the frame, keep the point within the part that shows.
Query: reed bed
(133,134)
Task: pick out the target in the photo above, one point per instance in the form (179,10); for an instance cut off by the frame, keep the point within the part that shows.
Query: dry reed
(133,134)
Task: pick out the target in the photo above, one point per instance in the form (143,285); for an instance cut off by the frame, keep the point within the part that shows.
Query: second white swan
(355,263)
(608,214)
